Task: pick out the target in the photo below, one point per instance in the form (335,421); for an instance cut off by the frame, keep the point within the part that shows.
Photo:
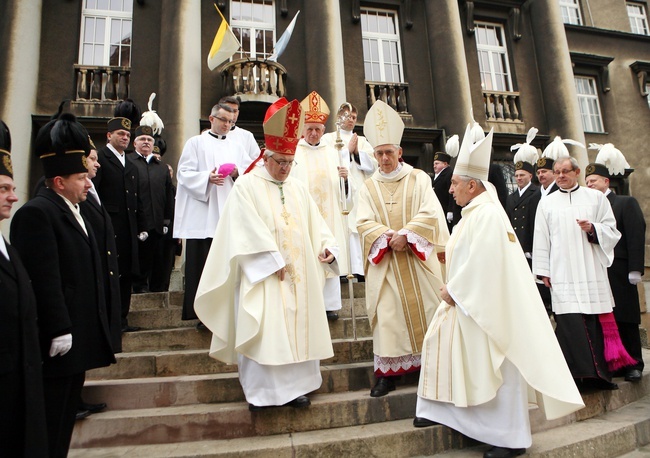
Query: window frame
(640,16)
(253,27)
(381,38)
(566,6)
(589,101)
(109,16)
(504,56)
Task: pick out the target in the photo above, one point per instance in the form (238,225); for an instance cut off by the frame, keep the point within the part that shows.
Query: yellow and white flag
(225,44)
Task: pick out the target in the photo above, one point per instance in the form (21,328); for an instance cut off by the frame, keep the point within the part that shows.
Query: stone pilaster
(556,75)
(451,86)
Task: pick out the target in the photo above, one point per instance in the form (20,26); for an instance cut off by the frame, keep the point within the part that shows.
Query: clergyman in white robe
(277,331)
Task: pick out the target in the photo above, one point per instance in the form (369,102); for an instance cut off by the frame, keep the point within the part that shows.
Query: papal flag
(225,44)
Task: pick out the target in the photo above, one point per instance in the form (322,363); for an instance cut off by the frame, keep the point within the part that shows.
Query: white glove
(165,230)
(450,217)
(634,277)
(528,255)
(144,235)
(61,345)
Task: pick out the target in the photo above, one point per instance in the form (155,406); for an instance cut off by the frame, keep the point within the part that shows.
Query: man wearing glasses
(573,244)
(204,182)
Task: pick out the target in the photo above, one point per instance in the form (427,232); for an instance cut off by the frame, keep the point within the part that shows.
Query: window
(106,32)
(493,58)
(382,53)
(589,106)
(638,18)
(253,23)
(571,12)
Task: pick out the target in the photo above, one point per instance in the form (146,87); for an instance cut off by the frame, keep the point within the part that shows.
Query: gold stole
(402,262)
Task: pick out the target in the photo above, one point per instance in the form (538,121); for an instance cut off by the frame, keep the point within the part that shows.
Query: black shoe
(128,328)
(343,279)
(92,408)
(254,408)
(503,452)
(633,375)
(140,290)
(360,278)
(300,401)
(421,422)
(383,386)
(81,414)
(332,315)
(201,327)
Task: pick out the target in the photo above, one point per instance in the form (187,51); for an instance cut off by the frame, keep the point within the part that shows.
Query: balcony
(393,94)
(101,83)
(254,79)
(502,106)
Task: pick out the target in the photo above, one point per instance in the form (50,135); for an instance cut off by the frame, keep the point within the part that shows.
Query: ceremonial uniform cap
(118,123)
(62,146)
(5,151)
(609,161)
(383,125)
(474,158)
(451,147)
(315,108)
(555,150)
(526,156)
(150,123)
(159,146)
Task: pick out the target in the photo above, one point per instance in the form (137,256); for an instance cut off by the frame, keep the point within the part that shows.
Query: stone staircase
(167,398)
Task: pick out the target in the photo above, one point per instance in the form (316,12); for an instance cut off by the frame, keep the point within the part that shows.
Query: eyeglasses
(562,172)
(224,120)
(283,164)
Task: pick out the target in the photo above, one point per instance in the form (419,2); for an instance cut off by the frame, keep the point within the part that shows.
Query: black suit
(23,431)
(157,206)
(441,185)
(521,212)
(117,187)
(102,226)
(65,268)
(628,257)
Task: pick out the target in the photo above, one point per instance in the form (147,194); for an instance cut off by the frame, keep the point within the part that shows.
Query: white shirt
(523,190)
(3,246)
(120,157)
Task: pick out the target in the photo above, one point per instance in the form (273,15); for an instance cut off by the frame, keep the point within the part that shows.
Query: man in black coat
(157,199)
(117,186)
(628,266)
(22,409)
(60,254)
(521,206)
(442,182)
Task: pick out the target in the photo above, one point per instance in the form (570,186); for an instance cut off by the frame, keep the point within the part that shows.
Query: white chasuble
(250,311)
(498,319)
(402,290)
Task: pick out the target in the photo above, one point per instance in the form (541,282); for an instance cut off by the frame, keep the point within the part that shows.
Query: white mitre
(383,125)
(474,158)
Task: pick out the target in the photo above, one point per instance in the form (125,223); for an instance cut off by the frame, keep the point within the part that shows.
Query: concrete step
(170,317)
(155,355)
(144,393)
(234,420)
(609,434)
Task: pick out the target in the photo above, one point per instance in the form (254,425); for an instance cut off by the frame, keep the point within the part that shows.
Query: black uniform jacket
(155,192)
(521,212)
(64,265)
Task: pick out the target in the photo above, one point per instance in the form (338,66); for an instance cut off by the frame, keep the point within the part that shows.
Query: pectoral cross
(390,202)
(285,215)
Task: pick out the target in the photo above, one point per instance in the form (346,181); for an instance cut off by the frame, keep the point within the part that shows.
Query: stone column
(180,73)
(324,54)
(19,85)
(556,75)
(451,88)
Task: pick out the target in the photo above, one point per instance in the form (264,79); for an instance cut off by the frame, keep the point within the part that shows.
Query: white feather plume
(452,146)
(611,157)
(526,151)
(557,148)
(477,133)
(150,118)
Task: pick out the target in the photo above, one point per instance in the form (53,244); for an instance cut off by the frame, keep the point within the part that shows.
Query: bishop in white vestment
(261,292)
(490,345)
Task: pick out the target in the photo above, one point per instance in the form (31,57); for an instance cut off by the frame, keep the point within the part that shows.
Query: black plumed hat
(62,146)
(6,167)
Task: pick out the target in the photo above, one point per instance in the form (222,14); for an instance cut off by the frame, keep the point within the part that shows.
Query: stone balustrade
(254,79)
(393,94)
(101,83)
(502,106)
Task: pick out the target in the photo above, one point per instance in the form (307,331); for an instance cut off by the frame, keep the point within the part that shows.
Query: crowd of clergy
(497,301)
